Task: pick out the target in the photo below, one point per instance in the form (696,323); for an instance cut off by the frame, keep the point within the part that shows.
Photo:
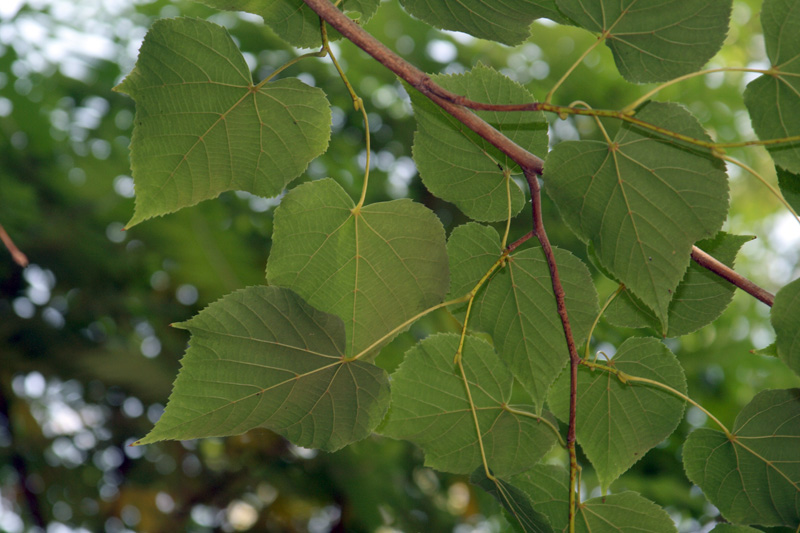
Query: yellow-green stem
(538,418)
(288,64)
(764,182)
(577,62)
(507,176)
(648,94)
(625,378)
(475,419)
(597,319)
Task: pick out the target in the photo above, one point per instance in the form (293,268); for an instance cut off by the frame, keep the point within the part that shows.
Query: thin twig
(423,83)
(574,358)
(727,273)
(19,258)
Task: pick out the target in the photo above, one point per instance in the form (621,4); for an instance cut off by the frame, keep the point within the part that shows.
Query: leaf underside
(755,478)
(430,408)
(295,22)
(506,22)
(518,308)
(202,127)
(461,167)
(375,268)
(642,202)
(619,422)
(699,299)
(517,505)
(262,357)
(628,512)
(773,100)
(783,315)
(655,40)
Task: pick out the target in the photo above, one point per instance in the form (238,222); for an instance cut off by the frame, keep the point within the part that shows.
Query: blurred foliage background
(87,357)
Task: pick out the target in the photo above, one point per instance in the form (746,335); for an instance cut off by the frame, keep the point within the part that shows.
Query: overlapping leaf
(456,164)
(619,422)
(518,505)
(754,477)
(202,127)
(785,317)
(430,408)
(518,307)
(699,299)
(295,22)
(789,184)
(505,22)
(262,357)
(642,202)
(375,267)
(547,486)
(773,99)
(655,40)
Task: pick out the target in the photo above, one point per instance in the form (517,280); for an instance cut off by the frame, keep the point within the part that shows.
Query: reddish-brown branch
(561,306)
(422,82)
(19,258)
(725,272)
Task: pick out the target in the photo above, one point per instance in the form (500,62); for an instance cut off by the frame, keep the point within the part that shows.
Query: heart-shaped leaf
(773,99)
(375,267)
(456,164)
(202,127)
(262,357)
(655,40)
(619,422)
(753,477)
(430,408)
(642,201)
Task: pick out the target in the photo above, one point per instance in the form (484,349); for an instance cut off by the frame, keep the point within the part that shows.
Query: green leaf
(518,307)
(754,477)
(618,422)
(295,22)
(789,184)
(785,317)
(767,351)
(262,357)
(731,528)
(375,268)
(655,40)
(202,127)
(430,408)
(547,486)
(506,22)
(517,504)
(699,299)
(773,99)
(456,164)
(642,202)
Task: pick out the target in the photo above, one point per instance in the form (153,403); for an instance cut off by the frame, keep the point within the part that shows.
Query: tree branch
(574,358)
(19,258)
(727,273)
(422,82)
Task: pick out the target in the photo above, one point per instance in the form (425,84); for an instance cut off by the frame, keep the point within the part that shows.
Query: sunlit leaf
(785,317)
(262,357)
(655,40)
(517,504)
(456,164)
(699,299)
(295,22)
(375,268)
(518,308)
(773,99)
(506,22)
(642,202)
(753,478)
(547,486)
(618,422)
(430,408)
(202,127)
